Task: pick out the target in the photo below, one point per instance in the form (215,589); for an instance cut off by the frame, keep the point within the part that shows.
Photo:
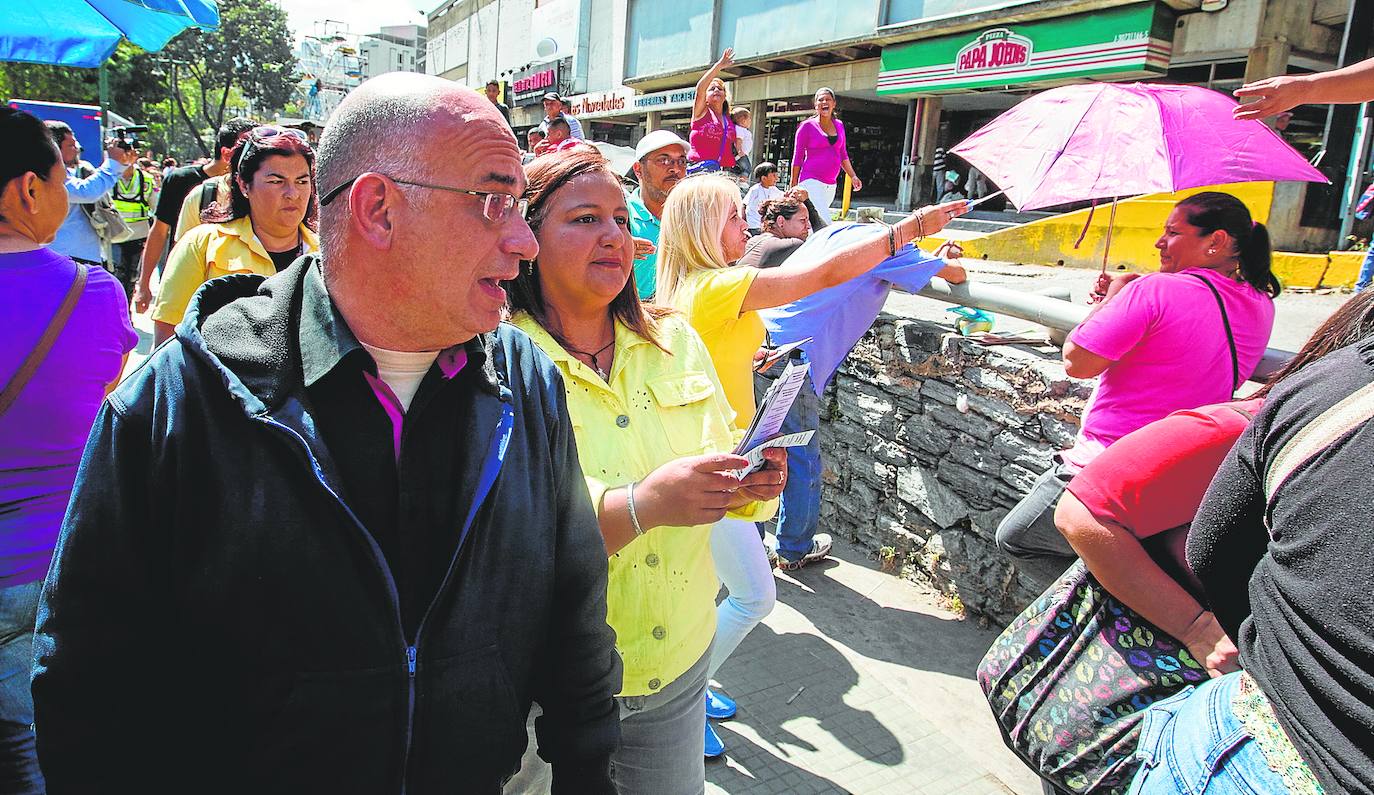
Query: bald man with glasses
(334,536)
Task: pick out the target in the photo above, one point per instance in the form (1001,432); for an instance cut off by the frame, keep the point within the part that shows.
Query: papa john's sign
(1115,43)
(996,49)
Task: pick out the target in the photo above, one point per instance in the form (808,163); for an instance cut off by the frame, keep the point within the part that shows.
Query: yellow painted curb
(1300,270)
(1344,268)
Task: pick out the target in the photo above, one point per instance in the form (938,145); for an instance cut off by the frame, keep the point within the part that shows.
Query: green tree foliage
(250,53)
(246,63)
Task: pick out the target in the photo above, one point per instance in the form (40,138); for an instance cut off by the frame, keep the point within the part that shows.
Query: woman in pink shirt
(820,154)
(713,134)
(1184,337)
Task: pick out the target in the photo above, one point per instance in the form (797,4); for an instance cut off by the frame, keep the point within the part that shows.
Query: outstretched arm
(699,104)
(783,285)
(1274,95)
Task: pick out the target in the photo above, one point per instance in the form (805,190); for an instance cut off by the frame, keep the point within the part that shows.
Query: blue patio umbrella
(85,32)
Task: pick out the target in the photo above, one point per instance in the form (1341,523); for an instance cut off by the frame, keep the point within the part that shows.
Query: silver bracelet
(630,503)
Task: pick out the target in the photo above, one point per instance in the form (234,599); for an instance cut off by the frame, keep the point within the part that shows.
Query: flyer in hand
(763,432)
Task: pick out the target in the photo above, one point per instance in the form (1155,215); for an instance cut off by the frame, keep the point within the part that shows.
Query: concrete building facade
(628,66)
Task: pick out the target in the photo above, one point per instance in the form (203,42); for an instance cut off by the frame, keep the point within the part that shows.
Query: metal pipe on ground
(1050,312)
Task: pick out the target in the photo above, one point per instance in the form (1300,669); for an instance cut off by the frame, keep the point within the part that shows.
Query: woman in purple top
(44,429)
(713,134)
(820,153)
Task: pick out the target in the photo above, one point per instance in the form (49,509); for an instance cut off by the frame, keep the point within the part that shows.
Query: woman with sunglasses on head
(703,234)
(268,223)
(654,434)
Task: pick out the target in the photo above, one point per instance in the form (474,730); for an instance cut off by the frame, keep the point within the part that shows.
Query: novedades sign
(591,104)
(1127,41)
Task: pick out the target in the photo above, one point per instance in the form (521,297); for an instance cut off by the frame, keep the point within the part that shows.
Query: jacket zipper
(380,560)
(491,468)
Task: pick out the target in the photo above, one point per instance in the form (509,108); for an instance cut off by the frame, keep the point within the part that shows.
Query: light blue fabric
(1193,743)
(1366,271)
(838,316)
(77,238)
(644,224)
(85,32)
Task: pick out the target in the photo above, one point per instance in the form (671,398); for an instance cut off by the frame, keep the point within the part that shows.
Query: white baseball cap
(656,140)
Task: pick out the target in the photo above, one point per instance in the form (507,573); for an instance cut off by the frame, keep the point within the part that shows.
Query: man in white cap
(660,164)
(554,108)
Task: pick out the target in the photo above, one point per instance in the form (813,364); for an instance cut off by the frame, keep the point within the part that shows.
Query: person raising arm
(1274,95)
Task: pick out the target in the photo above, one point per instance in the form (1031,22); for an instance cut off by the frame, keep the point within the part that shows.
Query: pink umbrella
(1106,140)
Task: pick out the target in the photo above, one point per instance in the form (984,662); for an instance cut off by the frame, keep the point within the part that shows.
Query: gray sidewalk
(889,703)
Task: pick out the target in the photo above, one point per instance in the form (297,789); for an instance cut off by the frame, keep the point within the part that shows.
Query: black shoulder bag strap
(208,191)
(45,343)
(1230,338)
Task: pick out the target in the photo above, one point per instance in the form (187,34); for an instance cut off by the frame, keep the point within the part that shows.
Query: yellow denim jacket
(656,408)
(210,251)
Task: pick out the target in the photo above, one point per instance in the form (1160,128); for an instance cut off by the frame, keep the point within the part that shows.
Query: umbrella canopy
(85,32)
(1108,140)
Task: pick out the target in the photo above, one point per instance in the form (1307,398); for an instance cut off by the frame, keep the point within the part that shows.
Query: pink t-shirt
(705,138)
(815,156)
(1165,335)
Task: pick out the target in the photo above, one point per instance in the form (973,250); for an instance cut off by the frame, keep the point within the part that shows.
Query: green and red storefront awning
(1125,42)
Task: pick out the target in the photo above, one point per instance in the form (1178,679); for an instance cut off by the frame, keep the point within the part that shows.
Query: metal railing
(1050,312)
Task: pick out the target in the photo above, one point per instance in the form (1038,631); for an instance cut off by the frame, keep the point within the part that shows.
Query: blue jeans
(18,756)
(800,512)
(1192,743)
(1366,271)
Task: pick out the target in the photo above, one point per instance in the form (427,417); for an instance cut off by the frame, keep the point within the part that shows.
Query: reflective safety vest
(133,197)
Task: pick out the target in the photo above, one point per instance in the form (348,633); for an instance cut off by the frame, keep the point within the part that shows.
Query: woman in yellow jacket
(268,223)
(703,235)
(654,434)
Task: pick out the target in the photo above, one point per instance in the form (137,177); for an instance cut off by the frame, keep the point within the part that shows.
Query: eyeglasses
(259,135)
(496,206)
(668,162)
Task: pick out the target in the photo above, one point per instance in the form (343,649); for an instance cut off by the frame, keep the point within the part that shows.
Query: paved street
(889,703)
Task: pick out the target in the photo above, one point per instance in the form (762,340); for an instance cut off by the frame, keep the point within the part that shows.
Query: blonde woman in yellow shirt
(268,222)
(703,234)
(654,433)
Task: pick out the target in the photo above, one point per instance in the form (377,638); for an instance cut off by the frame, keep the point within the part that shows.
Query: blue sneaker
(718,706)
(714,745)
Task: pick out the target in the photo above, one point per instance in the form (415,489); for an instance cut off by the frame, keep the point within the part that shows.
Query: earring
(529,266)
(1211,251)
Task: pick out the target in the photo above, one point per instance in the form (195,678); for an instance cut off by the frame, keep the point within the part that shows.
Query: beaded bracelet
(630,504)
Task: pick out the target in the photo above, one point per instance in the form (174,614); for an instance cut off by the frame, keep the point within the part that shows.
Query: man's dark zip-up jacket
(217,619)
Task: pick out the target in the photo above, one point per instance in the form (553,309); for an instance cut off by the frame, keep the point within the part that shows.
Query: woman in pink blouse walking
(820,153)
(713,134)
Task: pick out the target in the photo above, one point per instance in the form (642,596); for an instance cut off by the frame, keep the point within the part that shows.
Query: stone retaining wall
(928,439)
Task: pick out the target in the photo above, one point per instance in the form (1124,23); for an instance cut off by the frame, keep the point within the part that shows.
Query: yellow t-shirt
(209,251)
(711,300)
(656,407)
(190,206)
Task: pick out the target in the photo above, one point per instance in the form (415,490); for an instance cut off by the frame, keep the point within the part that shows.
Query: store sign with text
(601,103)
(666,100)
(1119,43)
(529,86)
